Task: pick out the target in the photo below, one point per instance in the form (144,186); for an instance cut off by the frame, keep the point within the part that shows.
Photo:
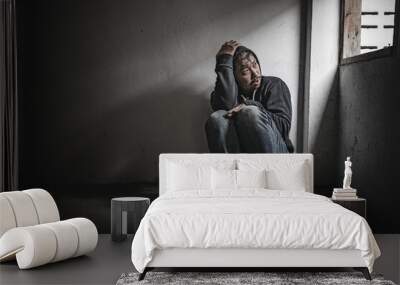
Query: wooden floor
(111,259)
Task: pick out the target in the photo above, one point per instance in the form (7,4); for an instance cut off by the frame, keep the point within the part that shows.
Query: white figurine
(347,174)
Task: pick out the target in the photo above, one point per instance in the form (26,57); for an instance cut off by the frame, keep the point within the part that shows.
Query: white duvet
(252,218)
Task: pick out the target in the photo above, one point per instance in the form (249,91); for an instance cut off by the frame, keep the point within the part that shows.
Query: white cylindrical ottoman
(37,245)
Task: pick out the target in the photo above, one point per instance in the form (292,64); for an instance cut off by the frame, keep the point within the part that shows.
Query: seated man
(252,113)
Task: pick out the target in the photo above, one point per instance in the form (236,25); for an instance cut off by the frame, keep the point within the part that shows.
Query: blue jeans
(250,131)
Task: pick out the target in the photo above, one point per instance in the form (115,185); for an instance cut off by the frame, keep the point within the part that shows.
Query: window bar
(368,47)
(369,26)
(369,13)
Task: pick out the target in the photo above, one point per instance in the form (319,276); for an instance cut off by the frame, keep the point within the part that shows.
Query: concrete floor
(389,262)
(103,266)
(111,259)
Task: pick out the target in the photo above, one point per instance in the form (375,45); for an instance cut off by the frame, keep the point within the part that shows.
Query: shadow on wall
(326,145)
(116,85)
(369,112)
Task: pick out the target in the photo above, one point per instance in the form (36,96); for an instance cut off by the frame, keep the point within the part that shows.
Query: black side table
(357,205)
(119,214)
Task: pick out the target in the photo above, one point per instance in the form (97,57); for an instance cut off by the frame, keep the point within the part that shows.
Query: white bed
(194,225)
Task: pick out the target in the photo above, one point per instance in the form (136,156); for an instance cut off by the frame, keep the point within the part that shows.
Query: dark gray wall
(105,86)
(115,83)
(369,133)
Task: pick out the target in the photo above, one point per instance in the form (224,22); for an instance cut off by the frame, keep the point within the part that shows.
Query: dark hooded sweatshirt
(273,95)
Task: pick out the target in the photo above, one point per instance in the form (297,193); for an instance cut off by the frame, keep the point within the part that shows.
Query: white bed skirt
(235,257)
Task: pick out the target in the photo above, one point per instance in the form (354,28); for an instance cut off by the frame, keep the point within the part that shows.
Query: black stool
(119,215)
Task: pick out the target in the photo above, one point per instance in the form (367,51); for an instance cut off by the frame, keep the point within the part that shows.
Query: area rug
(243,278)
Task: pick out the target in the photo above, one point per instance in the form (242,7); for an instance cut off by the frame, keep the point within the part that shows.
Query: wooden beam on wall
(351,28)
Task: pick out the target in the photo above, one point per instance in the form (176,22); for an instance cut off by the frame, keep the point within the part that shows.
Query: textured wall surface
(369,133)
(108,85)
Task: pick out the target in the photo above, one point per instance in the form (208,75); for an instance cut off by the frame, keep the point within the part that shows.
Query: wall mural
(252,112)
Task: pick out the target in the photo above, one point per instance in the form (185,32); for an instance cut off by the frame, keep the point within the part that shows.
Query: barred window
(368,26)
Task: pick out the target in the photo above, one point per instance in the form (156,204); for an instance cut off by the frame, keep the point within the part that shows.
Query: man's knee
(216,120)
(249,114)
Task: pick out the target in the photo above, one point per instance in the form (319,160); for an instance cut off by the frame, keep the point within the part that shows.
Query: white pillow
(223,179)
(251,178)
(227,179)
(282,174)
(188,177)
(292,179)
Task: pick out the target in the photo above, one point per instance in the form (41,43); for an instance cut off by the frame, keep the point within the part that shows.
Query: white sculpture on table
(347,174)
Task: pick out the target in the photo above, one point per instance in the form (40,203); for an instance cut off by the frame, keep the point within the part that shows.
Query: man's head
(246,69)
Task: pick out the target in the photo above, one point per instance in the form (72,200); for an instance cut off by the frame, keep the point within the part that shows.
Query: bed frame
(242,259)
(246,258)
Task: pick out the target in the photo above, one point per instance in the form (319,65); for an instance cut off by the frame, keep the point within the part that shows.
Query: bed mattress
(251,219)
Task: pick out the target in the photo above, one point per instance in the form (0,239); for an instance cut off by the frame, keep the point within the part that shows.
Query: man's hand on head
(228,48)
